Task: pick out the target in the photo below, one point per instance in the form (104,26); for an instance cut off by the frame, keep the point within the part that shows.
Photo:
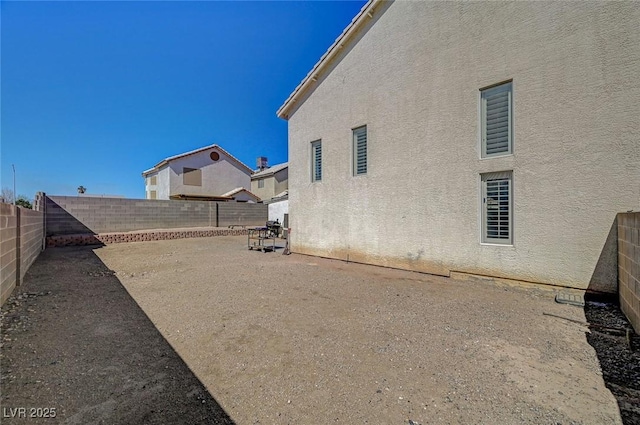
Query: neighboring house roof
(269,171)
(282,196)
(182,155)
(191,197)
(319,68)
(237,190)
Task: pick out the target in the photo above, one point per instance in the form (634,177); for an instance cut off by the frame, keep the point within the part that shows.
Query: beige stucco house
(271,182)
(471,138)
(206,173)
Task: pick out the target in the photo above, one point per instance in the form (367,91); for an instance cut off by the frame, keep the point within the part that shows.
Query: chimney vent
(261,163)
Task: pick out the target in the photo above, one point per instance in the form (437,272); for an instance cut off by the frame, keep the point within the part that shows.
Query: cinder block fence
(629,266)
(21,241)
(66,215)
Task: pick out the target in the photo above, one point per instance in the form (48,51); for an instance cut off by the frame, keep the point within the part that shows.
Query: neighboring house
(496,139)
(206,173)
(271,181)
(241,194)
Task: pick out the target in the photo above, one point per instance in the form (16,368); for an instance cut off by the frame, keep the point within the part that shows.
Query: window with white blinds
(316,161)
(497,207)
(360,150)
(496,118)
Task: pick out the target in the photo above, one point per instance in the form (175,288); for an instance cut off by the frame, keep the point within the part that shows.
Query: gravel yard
(289,340)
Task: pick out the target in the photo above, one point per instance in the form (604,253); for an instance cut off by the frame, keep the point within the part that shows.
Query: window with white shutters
(496,119)
(316,161)
(497,208)
(360,150)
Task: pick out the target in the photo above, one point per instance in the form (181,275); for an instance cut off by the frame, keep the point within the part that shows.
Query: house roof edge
(346,37)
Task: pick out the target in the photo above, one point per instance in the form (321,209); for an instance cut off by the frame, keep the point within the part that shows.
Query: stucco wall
(266,192)
(281,181)
(218,177)
(414,78)
(277,210)
(273,185)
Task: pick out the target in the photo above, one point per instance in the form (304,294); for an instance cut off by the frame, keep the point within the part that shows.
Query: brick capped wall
(69,215)
(629,266)
(142,236)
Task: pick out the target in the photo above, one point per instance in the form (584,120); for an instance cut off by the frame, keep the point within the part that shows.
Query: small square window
(260,183)
(496,118)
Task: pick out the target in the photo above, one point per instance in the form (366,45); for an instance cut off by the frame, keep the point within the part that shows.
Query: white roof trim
(321,65)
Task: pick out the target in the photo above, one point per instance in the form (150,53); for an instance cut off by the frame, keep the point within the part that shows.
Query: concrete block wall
(70,215)
(21,241)
(8,252)
(629,266)
(31,238)
(242,213)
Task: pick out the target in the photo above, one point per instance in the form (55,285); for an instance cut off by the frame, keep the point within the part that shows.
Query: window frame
(315,175)
(485,239)
(483,94)
(260,183)
(355,152)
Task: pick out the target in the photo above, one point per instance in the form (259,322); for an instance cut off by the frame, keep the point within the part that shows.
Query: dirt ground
(303,340)
(77,349)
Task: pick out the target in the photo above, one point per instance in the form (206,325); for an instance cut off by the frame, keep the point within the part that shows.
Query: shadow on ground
(619,356)
(77,346)
(620,362)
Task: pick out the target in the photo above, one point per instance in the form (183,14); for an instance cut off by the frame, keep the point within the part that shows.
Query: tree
(24,202)
(81,189)
(6,195)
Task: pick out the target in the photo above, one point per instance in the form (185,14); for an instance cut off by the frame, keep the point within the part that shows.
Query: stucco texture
(413,78)
(273,185)
(218,177)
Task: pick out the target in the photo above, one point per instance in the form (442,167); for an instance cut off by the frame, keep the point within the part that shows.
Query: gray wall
(242,213)
(72,214)
(21,241)
(414,78)
(629,266)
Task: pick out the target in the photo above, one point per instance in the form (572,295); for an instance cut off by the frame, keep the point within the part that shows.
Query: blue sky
(93,93)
